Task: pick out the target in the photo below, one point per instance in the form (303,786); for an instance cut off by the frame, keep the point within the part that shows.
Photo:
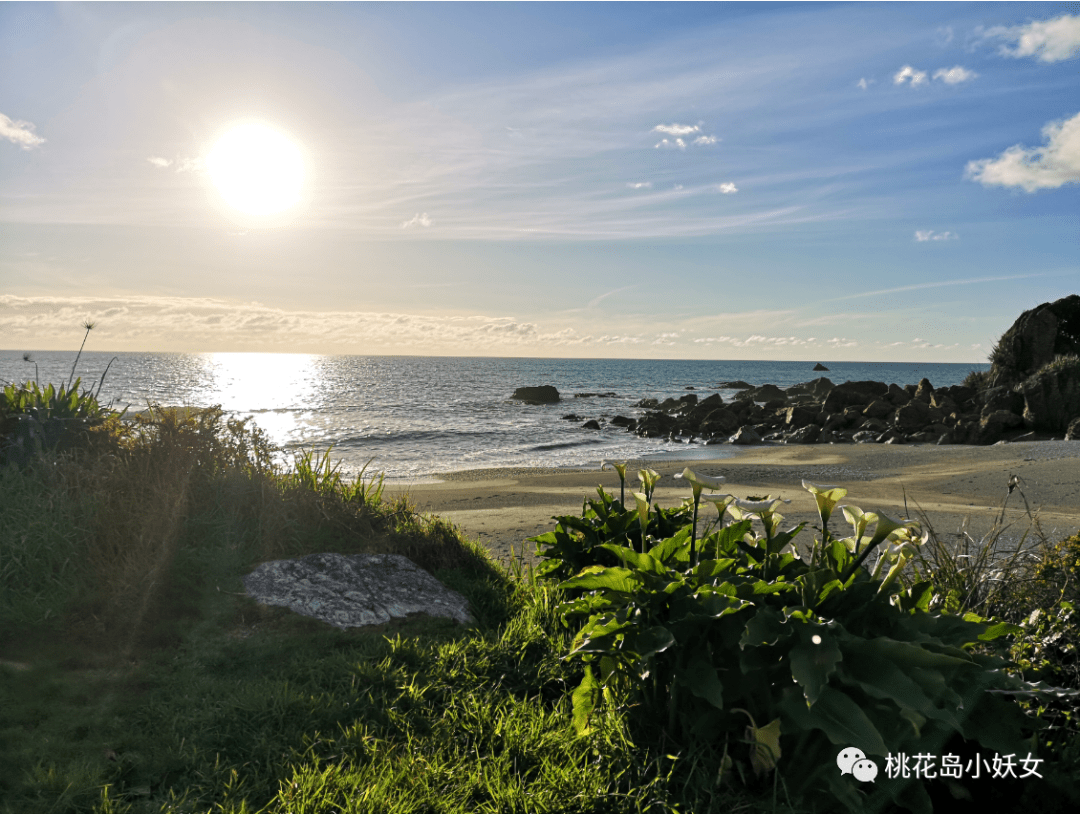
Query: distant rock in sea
(820,366)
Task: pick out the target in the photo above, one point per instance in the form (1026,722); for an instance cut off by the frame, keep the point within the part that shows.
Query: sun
(257,170)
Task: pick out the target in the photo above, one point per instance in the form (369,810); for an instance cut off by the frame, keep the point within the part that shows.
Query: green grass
(135,676)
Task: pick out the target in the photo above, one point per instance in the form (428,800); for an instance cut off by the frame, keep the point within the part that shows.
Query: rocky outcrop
(862,412)
(544,394)
(354,591)
(819,367)
(1052,395)
(1036,339)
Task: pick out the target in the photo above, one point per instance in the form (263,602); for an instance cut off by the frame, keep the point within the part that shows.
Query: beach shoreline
(503,507)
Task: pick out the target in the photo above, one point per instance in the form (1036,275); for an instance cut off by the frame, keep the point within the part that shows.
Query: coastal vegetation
(643,666)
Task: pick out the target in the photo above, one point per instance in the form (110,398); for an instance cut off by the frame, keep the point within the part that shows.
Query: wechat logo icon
(853,761)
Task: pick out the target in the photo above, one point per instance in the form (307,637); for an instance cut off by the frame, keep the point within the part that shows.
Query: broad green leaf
(881,678)
(634,560)
(763,629)
(701,678)
(910,654)
(1000,629)
(648,642)
(765,749)
(607,579)
(840,718)
(812,662)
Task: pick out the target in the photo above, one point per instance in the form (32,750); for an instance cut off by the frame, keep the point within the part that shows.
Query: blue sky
(809,181)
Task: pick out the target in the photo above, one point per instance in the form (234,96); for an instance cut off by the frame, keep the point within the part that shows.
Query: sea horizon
(414,417)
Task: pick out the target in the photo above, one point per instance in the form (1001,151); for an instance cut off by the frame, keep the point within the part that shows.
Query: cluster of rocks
(820,412)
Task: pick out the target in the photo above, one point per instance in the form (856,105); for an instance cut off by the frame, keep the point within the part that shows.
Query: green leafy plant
(823,651)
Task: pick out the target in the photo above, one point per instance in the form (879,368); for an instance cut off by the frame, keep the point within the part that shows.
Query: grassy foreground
(136,677)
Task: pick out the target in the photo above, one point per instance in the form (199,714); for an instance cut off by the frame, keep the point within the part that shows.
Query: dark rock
(766,392)
(738,384)
(1000,398)
(649,404)
(797,417)
(816,389)
(354,591)
(545,394)
(944,402)
(924,391)
(820,366)
(591,424)
(897,395)
(874,425)
(1072,433)
(878,408)
(1035,339)
(853,393)
(746,435)
(680,404)
(571,417)
(719,422)
(655,425)
(623,421)
(704,407)
(865,437)
(836,421)
(594,395)
(1052,395)
(805,435)
(912,416)
(774,405)
(690,388)
(991,427)
(958,393)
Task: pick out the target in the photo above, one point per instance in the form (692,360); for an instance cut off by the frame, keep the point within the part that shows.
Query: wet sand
(501,508)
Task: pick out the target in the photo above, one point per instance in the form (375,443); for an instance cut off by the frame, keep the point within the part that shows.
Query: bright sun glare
(256,169)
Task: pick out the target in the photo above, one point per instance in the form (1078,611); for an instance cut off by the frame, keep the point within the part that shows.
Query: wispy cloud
(640,185)
(930,234)
(1046,40)
(677,129)
(19,132)
(597,300)
(419,219)
(1047,167)
(864,83)
(909,74)
(955,75)
(180,164)
(728,188)
(937,284)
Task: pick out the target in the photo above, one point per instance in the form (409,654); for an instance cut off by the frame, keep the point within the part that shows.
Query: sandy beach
(501,508)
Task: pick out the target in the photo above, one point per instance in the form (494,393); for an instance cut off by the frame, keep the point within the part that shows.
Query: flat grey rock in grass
(354,591)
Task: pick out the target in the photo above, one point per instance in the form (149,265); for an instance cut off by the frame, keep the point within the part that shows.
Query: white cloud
(640,185)
(668,143)
(706,140)
(418,220)
(954,75)
(1048,40)
(864,83)
(929,234)
(19,132)
(728,188)
(1047,167)
(677,129)
(907,73)
(945,35)
(181,164)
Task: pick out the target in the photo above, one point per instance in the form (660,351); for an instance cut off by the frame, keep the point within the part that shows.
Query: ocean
(413,417)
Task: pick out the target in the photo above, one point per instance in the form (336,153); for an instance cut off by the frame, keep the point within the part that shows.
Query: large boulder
(767,392)
(354,591)
(1052,395)
(853,393)
(1035,339)
(816,389)
(544,394)
(655,425)
(719,422)
(745,435)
